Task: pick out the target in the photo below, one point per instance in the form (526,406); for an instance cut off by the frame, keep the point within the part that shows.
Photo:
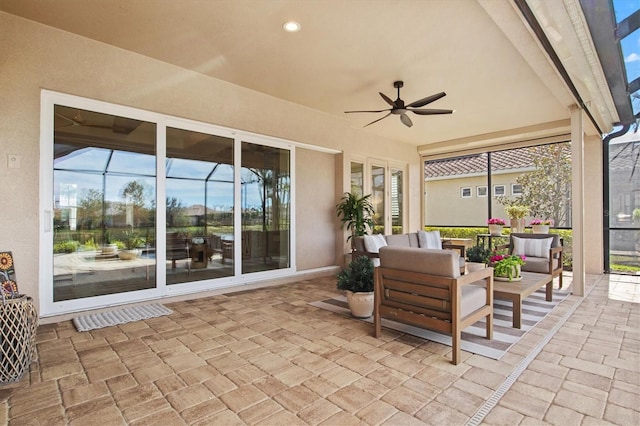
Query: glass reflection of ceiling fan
(120,125)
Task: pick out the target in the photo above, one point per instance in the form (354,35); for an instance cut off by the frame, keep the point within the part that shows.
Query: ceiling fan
(120,125)
(399,108)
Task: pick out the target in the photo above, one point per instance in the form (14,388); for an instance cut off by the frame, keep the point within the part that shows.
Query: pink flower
(496,221)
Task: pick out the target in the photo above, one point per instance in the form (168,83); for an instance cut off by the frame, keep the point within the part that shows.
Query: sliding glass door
(266,208)
(137,205)
(104,189)
(199,210)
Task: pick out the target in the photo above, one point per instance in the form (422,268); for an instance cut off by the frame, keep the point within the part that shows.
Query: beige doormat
(120,316)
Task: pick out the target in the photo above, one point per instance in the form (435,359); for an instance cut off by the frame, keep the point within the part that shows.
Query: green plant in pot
(131,242)
(356,213)
(478,254)
(357,280)
(507,266)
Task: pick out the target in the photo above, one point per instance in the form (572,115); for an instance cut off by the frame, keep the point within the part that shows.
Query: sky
(630,45)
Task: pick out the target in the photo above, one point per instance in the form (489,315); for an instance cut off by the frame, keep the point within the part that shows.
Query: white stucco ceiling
(478,51)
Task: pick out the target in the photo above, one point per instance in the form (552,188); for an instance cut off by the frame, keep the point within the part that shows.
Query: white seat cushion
(372,243)
(429,240)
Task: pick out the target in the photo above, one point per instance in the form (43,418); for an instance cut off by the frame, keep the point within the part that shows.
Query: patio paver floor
(266,357)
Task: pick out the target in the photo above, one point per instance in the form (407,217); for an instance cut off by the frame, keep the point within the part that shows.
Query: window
(540,176)
(516,189)
(397,208)
(465,192)
(144,205)
(199,194)
(357,178)
(265,208)
(378,182)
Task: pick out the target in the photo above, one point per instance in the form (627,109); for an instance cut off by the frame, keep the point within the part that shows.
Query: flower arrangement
(507,265)
(542,222)
(516,211)
(496,221)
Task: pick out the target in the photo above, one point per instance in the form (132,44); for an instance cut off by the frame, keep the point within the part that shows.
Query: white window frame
(514,185)
(462,190)
(486,191)
(50,308)
(495,190)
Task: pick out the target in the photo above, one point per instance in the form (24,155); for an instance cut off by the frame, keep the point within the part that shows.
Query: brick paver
(266,357)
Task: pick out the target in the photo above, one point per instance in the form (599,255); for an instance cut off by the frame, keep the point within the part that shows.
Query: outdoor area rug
(120,316)
(534,309)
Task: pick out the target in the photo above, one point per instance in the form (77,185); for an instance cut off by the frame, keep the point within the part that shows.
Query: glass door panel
(377,198)
(104,204)
(624,207)
(357,178)
(266,208)
(397,210)
(199,194)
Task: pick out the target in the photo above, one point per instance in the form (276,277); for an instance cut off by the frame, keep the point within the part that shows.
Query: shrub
(66,246)
(357,276)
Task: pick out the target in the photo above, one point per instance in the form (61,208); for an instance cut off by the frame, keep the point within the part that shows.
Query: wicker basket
(18,325)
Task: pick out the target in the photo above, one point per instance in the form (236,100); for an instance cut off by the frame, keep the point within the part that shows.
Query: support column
(577,197)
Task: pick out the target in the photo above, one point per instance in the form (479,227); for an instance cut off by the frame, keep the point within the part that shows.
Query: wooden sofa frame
(430,301)
(555,253)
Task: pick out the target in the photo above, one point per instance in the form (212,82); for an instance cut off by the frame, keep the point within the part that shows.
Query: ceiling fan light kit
(398,106)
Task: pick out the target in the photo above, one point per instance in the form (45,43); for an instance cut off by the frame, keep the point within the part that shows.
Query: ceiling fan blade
(424,101)
(375,121)
(431,111)
(382,110)
(406,120)
(71,121)
(388,100)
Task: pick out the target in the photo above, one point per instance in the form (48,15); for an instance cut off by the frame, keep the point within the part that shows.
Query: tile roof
(477,163)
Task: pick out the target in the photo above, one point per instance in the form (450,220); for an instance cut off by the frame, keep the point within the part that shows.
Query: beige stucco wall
(315,222)
(35,57)
(445,206)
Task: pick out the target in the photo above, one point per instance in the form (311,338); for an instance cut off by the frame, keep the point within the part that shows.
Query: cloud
(634,57)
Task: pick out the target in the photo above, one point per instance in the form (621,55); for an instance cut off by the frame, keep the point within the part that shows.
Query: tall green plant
(356,213)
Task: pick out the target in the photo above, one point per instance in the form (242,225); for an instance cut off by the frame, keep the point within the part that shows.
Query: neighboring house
(457,192)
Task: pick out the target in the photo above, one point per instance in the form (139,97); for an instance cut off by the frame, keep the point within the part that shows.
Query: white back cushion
(534,247)
(429,240)
(372,243)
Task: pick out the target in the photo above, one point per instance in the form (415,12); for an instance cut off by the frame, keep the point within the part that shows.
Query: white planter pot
(517,225)
(540,229)
(109,249)
(495,229)
(128,254)
(361,304)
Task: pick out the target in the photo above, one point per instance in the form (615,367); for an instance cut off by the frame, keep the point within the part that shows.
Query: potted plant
(506,267)
(516,213)
(109,248)
(357,281)
(541,226)
(477,257)
(495,225)
(356,213)
(131,243)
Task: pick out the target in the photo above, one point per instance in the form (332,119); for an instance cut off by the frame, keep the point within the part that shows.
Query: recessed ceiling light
(291,26)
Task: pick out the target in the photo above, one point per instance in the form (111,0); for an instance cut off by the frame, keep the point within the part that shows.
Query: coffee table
(515,291)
